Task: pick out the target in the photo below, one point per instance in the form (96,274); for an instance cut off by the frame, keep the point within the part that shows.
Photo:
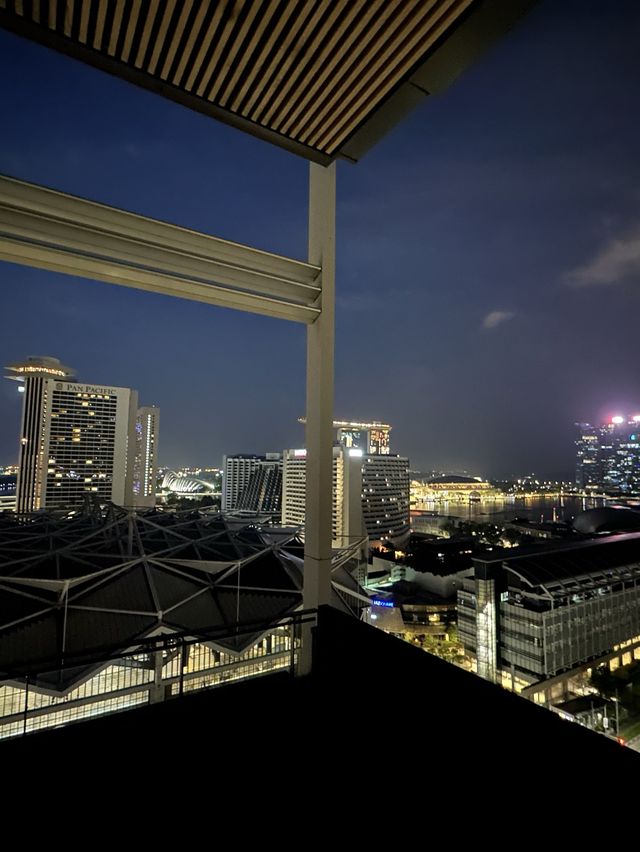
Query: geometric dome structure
(78,588)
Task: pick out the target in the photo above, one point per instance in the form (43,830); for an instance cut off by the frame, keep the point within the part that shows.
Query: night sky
(488,254)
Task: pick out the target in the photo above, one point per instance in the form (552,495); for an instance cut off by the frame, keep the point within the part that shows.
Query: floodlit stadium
(110,609)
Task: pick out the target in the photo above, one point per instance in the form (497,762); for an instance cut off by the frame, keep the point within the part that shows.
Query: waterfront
(557,507)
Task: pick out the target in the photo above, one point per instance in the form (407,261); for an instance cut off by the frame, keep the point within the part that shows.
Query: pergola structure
(324,79)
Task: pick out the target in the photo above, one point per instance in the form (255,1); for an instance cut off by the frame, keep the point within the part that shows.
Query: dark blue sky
(488,254)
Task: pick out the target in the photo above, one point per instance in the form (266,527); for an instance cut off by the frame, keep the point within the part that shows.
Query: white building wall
(347,525)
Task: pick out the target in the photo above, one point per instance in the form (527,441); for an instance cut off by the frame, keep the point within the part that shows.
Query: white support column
(319,435)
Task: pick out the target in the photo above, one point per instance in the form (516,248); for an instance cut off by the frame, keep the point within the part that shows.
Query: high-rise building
(263,492)
(385,479)
(385,498)
(145,466)
(346,517)
(608,456)
(589,472)
(237,472)
(76,439)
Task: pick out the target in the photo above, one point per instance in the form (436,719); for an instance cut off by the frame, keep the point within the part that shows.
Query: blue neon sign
(382,603)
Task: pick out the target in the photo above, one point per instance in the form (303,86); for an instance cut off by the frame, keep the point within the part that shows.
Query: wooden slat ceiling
(307,74)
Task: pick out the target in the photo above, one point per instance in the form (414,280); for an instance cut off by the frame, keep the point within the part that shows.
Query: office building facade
(145,466)
(538,616)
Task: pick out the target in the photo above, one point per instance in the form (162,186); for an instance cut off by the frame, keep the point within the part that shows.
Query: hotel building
(76,440)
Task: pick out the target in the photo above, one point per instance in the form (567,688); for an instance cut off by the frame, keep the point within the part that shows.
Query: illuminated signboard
(382,603)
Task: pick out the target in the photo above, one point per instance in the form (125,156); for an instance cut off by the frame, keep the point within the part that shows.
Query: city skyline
(486,260)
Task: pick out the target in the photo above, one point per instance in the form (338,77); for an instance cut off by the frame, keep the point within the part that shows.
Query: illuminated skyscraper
(608,456)
(385,498)
(76,439)
(385,479)
(589,472)
(145,467)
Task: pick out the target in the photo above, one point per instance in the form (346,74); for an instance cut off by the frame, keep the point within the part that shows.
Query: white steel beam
(53,230)
(319,433)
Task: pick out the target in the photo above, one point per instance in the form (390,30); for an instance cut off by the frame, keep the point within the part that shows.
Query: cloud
(496,318)
(616,262)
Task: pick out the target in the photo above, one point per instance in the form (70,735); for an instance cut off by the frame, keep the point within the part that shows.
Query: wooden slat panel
(53,10)
(355,64)
(204,47)
(169,6)
(146,32)
(68,17)
(131,28)
(175,41)
(191,39)
(267,15)
(35,10)
(376,50)
(115,28)
(235,7)
(84,21)
(238,42)
(102,14)
(377,66)
(335,60)
(18,5)
(366,103)
(295,60)
(259,66)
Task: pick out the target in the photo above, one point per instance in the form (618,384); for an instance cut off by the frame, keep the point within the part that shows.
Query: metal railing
(46,695)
